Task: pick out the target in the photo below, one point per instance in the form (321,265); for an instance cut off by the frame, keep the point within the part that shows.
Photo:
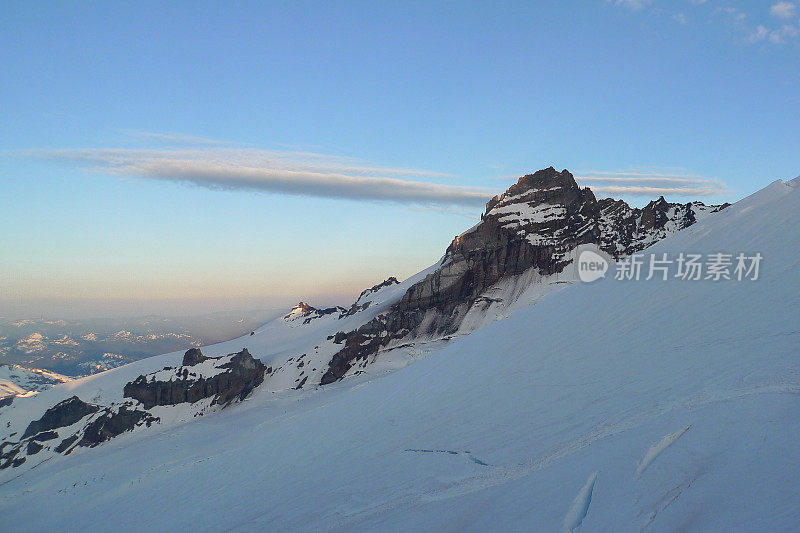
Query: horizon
(293,152)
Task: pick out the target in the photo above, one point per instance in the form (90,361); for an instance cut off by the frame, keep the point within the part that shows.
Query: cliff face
(535,224)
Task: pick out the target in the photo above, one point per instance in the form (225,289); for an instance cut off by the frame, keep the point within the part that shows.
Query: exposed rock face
(193,357)
(535,224)
(110,424)
(626,230)
(224,378)
(62,414)
(306,313)
(363,301)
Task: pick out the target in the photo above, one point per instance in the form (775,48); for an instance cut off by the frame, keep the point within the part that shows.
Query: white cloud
(292,173)
(174,138)
(680,18)
(783,35)
(651,183)
(784,10)
(632,190)
(758,34)
(633,5)
(733,14)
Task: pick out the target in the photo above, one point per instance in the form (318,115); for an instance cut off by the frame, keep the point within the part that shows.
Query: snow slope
(611,406)
(17,380)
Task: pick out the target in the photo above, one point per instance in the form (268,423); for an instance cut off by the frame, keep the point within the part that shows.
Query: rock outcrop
(225,379)
(110,424)
(306,313)
(364,301)
(61,415)
(93,424)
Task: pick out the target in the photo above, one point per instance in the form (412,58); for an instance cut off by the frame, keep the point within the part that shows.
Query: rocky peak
(301,309)
(540,186)
(193,356)
(535,224)
(306,313)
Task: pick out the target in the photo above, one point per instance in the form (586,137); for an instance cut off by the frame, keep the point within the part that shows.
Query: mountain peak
(544,180)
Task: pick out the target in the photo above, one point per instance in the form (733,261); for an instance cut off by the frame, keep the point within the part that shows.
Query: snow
(583,382)
(580,506)
(517,214)
(656,449)
(18,380)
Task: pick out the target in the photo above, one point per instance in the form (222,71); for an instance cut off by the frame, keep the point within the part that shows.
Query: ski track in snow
(656,449)
(452,452)
(580,505)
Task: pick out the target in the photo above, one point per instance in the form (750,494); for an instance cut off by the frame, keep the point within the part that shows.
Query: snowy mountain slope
(516,255)
(17,380)
(304,338)
(616,405)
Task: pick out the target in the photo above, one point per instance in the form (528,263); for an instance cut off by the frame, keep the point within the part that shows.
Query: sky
(207,155)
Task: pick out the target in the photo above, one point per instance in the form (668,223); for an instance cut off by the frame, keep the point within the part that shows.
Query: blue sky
(268,152)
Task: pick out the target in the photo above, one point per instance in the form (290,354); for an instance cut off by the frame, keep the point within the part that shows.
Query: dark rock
(110,424)
(62,414)
(360,304)
(45,436)
(8,400)
(34,447)
(66,443)
(193,357)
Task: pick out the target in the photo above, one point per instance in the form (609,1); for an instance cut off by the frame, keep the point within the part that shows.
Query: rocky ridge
(74,422)
(535,224)
(222,378)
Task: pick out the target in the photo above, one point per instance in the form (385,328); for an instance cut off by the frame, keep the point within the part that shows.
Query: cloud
(758,34)
(784,10)
(291,173)
(647,183)
(783,35)
(747,26)
(654,191)
(633,5)
(174,138)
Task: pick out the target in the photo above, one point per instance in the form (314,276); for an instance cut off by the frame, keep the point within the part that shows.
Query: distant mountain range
(87,346)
